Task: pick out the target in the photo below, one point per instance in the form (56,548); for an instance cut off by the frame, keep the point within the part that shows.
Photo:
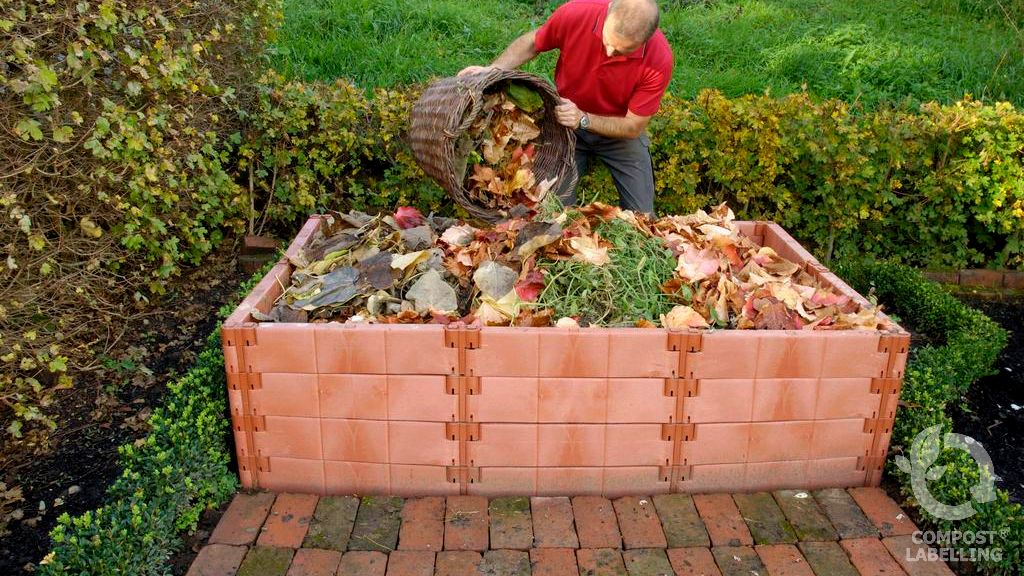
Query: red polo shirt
(587,76)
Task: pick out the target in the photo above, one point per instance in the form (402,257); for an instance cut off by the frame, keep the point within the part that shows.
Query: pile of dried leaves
(694,271)
(500,147)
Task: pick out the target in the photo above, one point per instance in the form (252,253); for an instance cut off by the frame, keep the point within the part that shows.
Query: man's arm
(631,126)
(519,52)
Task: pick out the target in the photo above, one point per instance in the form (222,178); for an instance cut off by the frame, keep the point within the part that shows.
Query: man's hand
(568,114)
(474,70)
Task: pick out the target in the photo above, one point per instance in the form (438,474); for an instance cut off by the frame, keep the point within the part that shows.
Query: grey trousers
(628,160)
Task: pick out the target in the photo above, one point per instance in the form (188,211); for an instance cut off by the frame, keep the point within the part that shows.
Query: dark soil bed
(108,409)
(992,412)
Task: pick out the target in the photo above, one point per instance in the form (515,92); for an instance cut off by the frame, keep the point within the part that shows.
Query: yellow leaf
(90,228)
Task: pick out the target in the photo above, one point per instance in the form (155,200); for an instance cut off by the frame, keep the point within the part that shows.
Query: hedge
(967,343)
(179,470)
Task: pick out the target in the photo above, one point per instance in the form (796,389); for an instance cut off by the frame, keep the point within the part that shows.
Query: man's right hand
(474,70)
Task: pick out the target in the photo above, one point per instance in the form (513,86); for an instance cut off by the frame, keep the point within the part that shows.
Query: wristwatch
(585,121)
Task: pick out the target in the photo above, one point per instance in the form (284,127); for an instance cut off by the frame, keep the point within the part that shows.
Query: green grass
(859,50)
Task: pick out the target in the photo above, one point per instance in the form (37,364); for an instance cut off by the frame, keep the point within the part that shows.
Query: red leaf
(408,217)
(529,288)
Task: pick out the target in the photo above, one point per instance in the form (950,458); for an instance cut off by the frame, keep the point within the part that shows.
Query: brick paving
(855,532)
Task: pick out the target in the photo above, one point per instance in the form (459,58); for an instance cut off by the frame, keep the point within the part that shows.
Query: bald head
(635,20)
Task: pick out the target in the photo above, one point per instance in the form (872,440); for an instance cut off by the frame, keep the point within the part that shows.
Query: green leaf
(526,98)
(37,241)
(62,133)
(27,128)
(58,364)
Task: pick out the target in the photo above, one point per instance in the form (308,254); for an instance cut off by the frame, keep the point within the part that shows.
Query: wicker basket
(448,108)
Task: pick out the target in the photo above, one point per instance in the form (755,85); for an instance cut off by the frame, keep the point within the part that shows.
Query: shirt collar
(598,30)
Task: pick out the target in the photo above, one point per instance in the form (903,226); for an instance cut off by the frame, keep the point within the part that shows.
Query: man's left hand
(568,114)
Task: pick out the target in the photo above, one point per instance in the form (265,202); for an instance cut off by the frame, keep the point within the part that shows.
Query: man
(613,68)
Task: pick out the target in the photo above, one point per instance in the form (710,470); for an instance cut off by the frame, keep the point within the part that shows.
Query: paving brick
(783,560)
(511,523)
(553,562)
(844,514)
(600,562)
(363,563)
(466,523)
(411,563)
(914,558)
(764,518)
(647,562)
(266,561)
(241,524)
(332,522)
(422,524)
(505,563)
(806,517)
(314,562)
(680,521)
(596,525)
(456,563)
(883,512)
(639,523)
(217,560)
(870,557)
(827,559)
(377,524)
(694,561)
(553,523)
(288,521)
(738,560)
(981,278)
(722,519)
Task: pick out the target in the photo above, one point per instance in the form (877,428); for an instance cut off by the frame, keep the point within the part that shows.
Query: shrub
(937,376)
(119,121)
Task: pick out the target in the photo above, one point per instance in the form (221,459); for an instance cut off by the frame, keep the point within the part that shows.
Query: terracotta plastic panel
(790,354)
(853,354)
(420,398)
(286,395)
(355,440)
(715,478)
(785,399)
(640,354)
(420,443)
(845,398)
(767,476)
(573,400)
(504,400)
(570,481)
(784,245)
(567,353)
(498,481)
(725,354)
(421,481)
(262,296)
(636,445)
(839,438)
(634,400)
(718,444)
(350,349)
(417,349)
(834,473)
(356,478)
(353,396)
(286,348)
(289,438)
(504,445)
(569,445)
(778,441)
(633,480)
(721,401)
(294,475)
(505,352)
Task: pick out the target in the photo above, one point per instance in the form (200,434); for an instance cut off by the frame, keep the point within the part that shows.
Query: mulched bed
(104,411)
(992,412)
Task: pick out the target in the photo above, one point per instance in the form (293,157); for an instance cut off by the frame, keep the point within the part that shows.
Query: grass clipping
(625,292)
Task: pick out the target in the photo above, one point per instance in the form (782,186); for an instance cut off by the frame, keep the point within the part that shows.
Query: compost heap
(595,265)
(499,148)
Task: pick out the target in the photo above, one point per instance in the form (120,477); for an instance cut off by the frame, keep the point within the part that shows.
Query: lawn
(859,50)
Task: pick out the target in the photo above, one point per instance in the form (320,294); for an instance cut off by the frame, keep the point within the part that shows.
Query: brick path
(821,533)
